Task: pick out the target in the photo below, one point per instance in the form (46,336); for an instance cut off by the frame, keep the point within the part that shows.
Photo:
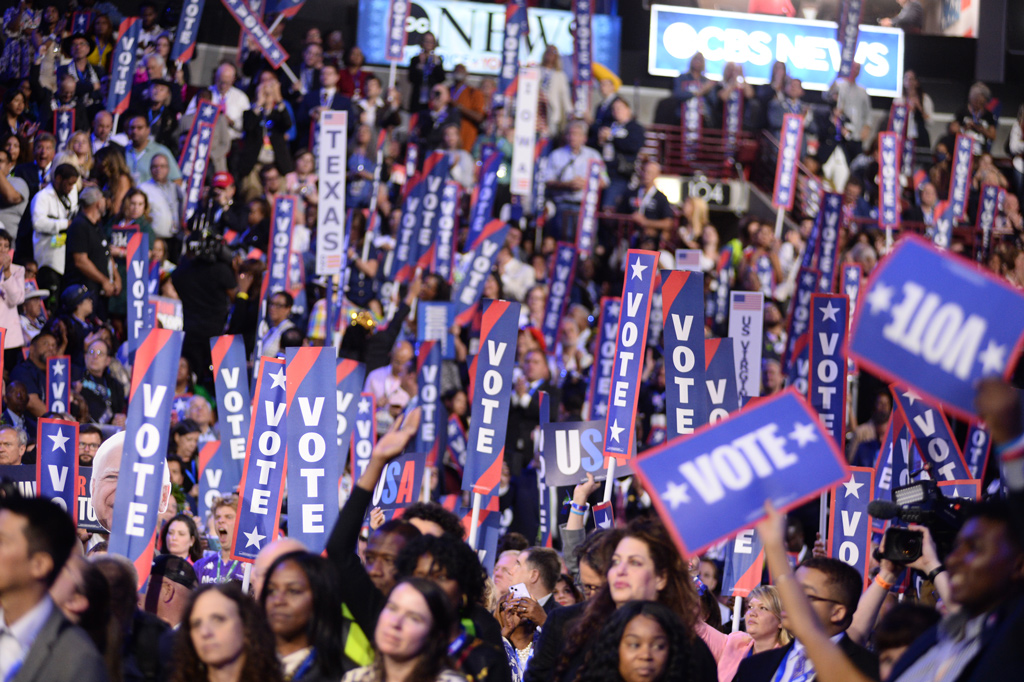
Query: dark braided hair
(450,556)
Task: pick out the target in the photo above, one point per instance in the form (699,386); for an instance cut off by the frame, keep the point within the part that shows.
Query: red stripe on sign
(207,452)
(297,370)
(710,348)
(674,283)
(345,367)
(144,563)
(144,357)
(220,349)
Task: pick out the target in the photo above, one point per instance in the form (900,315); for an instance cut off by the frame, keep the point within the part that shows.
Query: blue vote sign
(936,322)
(715,482)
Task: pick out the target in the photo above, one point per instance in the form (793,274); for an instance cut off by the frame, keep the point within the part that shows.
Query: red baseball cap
(223,179)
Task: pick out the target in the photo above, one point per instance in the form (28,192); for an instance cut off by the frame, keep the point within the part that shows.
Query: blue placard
(790,138)
(58,379)
(483,196)
(571,450)
(442,251)
(138,289)
(471,33)
(715,482)
(314,467)
(682,304)
(456,446)
(255,29)
(400,481)
(558,294)
(398,15)
(960,176)
(137,502)
(231,383)
(480,258)
(631,344)
(936,322)
(849,526)
(828,244)
(889,150)
(188,29)
(213,476)
(720,378)
(349,379)
(827,381)
(282,222)
(604,358)
(800,311)
(978,445)
(932,435)
(57,463)
(429,437)
(847,33)
(434,321)
(744,563)
(364,434)
(809,49)
(122,65)
(436,170)
(259,499)
(516,27)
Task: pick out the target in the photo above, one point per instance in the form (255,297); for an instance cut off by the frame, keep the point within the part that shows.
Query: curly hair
(603,664)
(679,593)
(324,628)
(432,511)
(448,556)
(195,550)
(261,664)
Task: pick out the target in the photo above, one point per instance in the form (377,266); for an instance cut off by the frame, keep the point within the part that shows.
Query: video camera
(207,246)
(922,503)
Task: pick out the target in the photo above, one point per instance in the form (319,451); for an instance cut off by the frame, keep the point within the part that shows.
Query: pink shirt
(728,650)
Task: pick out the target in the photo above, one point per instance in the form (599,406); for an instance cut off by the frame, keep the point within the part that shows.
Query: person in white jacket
(12,293)
(53,208)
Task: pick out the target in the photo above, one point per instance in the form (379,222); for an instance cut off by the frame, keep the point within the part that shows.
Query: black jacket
(762,667)
(275,124)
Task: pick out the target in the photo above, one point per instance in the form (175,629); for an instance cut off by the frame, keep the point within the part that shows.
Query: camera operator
(205,282)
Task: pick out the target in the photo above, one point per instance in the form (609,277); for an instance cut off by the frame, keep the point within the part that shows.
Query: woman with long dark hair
(180,537)
(224,638)
(645,566)
(300,599)
(412,636)
(643,642)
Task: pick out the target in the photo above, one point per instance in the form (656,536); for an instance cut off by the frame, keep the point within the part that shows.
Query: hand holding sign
(390,446)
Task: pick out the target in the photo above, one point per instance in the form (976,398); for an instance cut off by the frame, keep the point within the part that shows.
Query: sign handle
(737,610)
(780,218)
(246,574)
(392,74)
(553,513)
(609,482)
(474,524)
(823,517)
(425,487)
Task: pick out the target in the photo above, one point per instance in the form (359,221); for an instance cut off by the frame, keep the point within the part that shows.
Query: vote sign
(365,435)
(571,450)
(715,482)
(849,526)
(682,304)
(400,482)
(936,322)
(58,378)
(233,406)
(213,479)
(57,462)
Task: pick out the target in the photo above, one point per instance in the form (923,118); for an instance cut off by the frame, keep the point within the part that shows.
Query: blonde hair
(701,216)
(769,596)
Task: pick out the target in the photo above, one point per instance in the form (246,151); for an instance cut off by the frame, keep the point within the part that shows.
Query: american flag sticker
(747,301)
(688,259)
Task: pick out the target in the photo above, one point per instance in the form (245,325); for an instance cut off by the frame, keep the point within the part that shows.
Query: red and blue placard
(184,44)
(932,434)
(58,379)
(259,498)
(826,389)
(63,127)
(138,288)
(364,435)
(314,468)
(978,445)
(457,445)
(429,437)
(988,205)
(57,463)
(253,25)
(968,490)
(828,242)
(214,472)
(233,407)
(583,54)
(936,322)
(415,187)
(631,344)
(889,150)
(720,378)
(483,194)
(716,481)
(481,257)
(586,226)
(790,138)
(349,378)
(682,304)
(397,35)
(800,311)
(960,176)
(515,30)
(491,381)
(442,250)
(147,431)
(846,35)
(285,8)
(571,450)
(604,358)
(744,563)
(436,170)
(81,21)
(558,295)
(196,157)
(400,481)
(282,223)
(849,526)
(122,66)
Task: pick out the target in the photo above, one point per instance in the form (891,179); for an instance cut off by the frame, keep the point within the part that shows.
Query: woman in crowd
(566,592)
(113,177)
(300,599)
(12,113)
(224,638)
(554,89)
(643,642)
(645,566)
(764,619)
(134,211)
(180,537)
(412,636)
(79,154)
(16,147)
(361,165)
(352,83)
(264,128)
(103,36)
(184,444)
(302,180)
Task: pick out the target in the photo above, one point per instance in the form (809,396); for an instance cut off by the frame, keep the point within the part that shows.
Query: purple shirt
(210,569)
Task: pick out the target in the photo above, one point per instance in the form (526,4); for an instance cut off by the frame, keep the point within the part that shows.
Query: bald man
(106,468)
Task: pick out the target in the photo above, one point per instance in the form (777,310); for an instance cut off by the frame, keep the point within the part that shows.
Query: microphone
(883,509)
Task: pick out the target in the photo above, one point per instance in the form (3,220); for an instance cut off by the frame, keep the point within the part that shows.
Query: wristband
(935,574)
(575,511)
(580,508)
(881,583)
(242,295)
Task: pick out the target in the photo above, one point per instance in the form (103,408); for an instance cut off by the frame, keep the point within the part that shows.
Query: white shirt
(166,217)
(50,218)
(16,639)
(791,661)
(564,165)
(382,383)
(234,103)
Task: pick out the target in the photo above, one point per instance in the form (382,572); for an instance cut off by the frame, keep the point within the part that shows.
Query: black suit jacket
(62,652)
(762,667)
(521,423)
(312,100)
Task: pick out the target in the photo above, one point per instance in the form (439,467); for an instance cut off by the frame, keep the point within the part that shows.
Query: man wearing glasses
(89,440)
(833,588)
(439,114)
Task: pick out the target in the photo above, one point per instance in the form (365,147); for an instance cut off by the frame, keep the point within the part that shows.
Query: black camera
(923,503)
(207,246)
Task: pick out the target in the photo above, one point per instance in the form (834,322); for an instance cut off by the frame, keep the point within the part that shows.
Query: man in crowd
(565,177)
(172,581)
(31,372)
(13,443)
(219,567)
(53,208)
(88,250)
(143,148)
(89,440)
(166,198)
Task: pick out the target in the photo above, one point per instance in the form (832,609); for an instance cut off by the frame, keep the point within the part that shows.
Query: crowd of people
(408,599)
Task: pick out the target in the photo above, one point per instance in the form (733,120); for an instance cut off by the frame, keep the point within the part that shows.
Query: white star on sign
(852,488)
(58,368)
(278,379)
(180,405)
(59,440)
(364,406)
(254,538)
(567,255)
(613,308)
(993,358)
(880,298)
(638,269)
(676,495)
(910,395)
(829,312)
(803,434)
(616,430)
(284,207)
(808,279)
(601,410)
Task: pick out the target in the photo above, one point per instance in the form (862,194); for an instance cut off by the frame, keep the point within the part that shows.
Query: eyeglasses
(589,590)
(97,353)
(813,597)
(275,304)
(436,94)
(88,446)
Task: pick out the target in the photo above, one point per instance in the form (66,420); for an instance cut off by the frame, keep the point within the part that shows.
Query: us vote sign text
(57,462)
(849,526)
(682,304)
